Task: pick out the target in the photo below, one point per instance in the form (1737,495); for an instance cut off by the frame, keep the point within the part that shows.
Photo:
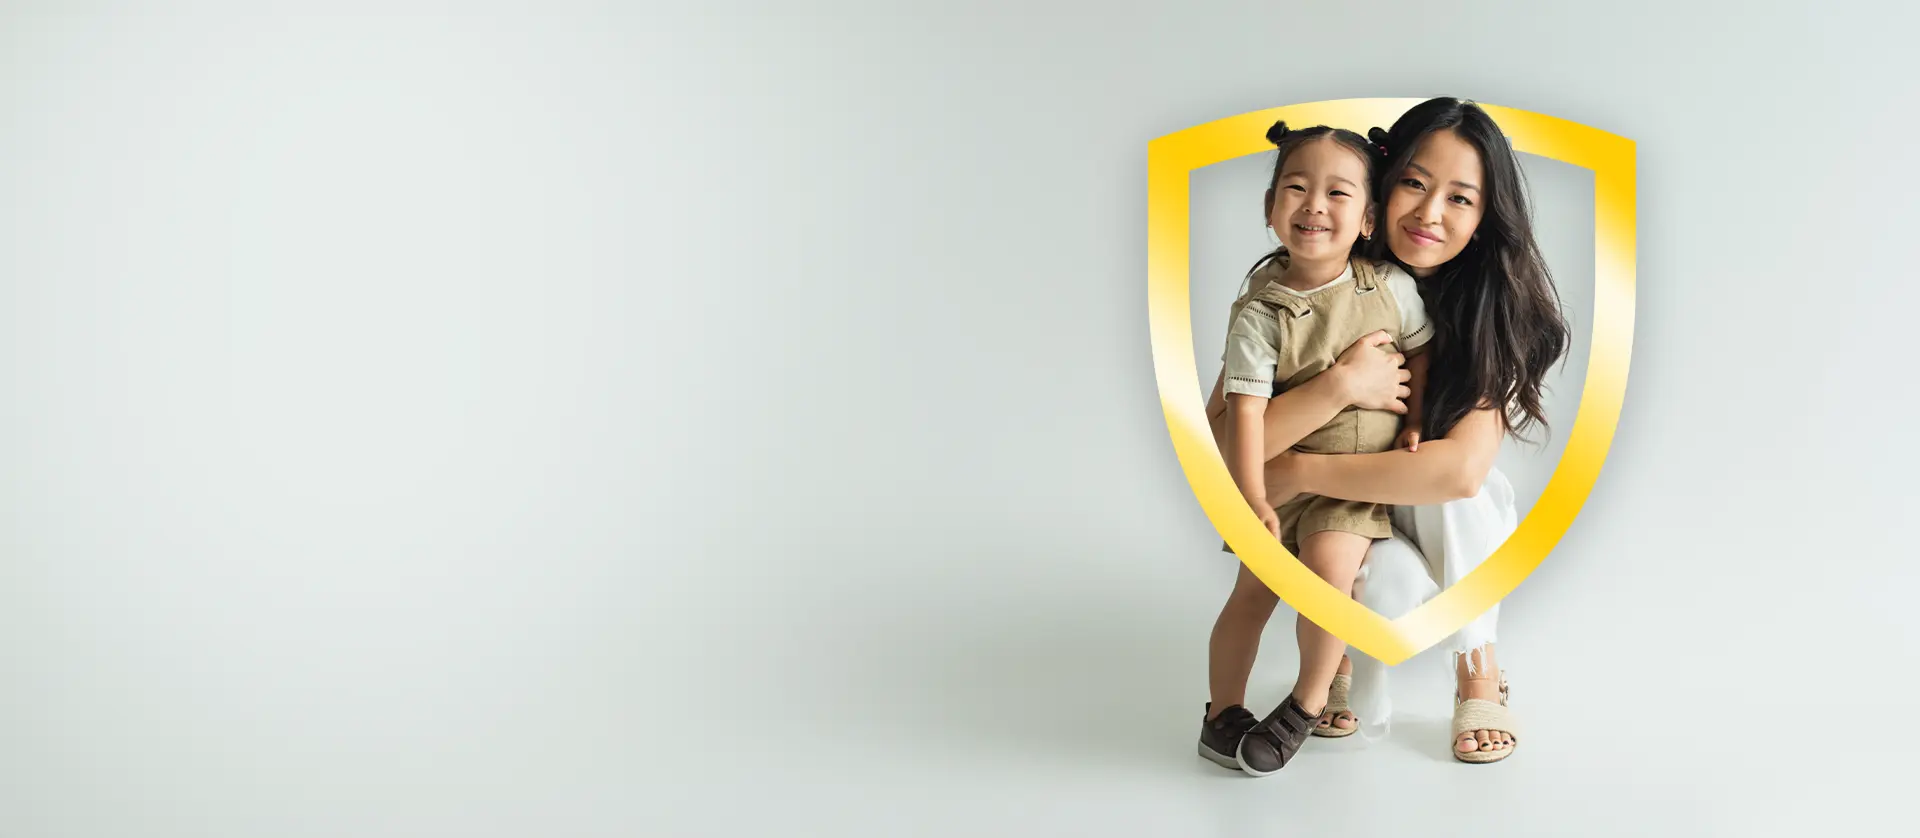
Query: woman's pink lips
(1421,238)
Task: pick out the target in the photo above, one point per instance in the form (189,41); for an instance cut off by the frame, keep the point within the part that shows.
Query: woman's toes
(1485,739)
(1342,720)
(1466,744)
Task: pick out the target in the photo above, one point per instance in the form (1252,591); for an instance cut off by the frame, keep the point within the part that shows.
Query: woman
(1454,213)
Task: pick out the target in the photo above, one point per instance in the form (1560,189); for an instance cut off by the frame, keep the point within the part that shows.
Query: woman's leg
(1343,719)
(1456,537)
(1477,675)
(1393,581)
(1236,640)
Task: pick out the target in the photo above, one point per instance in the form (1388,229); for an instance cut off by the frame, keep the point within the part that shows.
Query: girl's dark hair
(1288,139)
(1498,323)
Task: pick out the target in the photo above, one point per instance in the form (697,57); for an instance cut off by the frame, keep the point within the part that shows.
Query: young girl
(1305,303)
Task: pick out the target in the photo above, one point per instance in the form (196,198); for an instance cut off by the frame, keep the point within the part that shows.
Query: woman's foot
(1485,741)
(1337,721)
(1480,681)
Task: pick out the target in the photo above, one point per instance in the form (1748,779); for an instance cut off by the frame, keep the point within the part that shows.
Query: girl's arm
(1417,402)
(1449,468)
(1246,422)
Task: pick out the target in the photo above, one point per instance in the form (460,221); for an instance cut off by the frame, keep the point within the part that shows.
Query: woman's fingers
(1368,342)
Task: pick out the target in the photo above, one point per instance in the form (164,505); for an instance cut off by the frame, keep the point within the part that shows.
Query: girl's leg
(1269,744)
(1333,556)
(1236,640)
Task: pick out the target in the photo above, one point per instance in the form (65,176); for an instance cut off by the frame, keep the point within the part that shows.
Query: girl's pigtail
(1379,140)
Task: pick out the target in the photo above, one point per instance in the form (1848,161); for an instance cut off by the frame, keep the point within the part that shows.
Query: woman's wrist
(1303,472)
(1340,384)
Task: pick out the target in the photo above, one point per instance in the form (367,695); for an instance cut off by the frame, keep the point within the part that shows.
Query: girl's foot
(1486,687)
(1220,735)
(1271,744)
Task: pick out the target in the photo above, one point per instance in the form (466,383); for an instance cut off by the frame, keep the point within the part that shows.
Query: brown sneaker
(1220,735)
(1271,744)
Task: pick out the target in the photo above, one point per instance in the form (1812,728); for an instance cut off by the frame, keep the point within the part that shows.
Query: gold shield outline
(1170,161)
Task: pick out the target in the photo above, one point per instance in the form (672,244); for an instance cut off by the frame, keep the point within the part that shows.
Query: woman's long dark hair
(1498,323)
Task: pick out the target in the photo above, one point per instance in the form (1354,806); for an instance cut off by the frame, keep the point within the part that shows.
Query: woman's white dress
(1432,548)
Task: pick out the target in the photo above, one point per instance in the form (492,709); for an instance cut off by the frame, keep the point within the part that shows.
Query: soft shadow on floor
(1086,676)
(1426,736)
(1089,674)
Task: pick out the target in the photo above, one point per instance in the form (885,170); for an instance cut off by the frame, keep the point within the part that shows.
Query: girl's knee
(1335,557)
(1342,582)
(1334,573)
(1250,592)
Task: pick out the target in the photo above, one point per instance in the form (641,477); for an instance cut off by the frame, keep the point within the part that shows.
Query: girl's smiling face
(1435,204)
(1318,205)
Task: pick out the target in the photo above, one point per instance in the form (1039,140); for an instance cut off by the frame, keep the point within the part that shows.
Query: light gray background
(613,421)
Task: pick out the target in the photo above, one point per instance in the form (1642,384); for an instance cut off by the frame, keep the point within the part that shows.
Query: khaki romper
(1312,330)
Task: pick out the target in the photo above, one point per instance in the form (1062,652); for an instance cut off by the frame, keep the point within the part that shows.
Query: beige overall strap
(1365,277)
(1276,294)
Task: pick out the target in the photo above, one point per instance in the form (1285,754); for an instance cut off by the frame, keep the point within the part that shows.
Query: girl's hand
(1269,518)
(1373,378)
(1409,439)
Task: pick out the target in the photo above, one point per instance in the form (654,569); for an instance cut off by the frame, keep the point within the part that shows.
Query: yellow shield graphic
(1171,158)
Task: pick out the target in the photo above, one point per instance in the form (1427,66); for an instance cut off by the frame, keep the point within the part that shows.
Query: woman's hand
(1373,378)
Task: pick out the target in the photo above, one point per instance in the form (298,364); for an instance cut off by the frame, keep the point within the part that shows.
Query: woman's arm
(1289,416)
(1364,376)
(1449,468)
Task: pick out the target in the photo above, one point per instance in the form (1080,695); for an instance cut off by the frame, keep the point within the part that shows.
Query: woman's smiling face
(1434,205)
